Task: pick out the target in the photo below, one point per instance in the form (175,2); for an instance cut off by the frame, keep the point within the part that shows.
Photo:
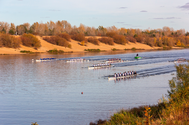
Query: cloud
(167,18)
(122,7)
(123,23)
(143,11)
(120,22)
(186,6)
(158,18)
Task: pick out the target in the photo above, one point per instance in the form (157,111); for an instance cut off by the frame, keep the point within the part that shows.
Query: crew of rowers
(125,74)
(101,64)
(114,59)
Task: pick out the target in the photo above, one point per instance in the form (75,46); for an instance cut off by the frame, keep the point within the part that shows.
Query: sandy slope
(45,46)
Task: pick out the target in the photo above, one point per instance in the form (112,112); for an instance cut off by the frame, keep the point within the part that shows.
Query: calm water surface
(50,92)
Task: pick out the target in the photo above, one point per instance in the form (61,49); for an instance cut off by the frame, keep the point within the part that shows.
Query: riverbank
(77,48)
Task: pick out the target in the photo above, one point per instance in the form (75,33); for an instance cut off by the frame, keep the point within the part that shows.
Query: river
(50,92)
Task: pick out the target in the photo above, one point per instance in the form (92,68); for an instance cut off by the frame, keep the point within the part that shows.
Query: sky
(136,14)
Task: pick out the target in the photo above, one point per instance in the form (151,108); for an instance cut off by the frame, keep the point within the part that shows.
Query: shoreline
(17,52)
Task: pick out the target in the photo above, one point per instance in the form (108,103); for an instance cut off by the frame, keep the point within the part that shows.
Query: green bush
(114,49)
(133,48)
(25,51)
(93,50)
(55,51)
(30,40)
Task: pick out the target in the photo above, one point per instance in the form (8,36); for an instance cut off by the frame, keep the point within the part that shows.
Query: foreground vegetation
(174,111)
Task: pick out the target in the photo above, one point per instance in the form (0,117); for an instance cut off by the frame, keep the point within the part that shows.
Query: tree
(21,29)
(101,31)
(12,29)
(81,29)
(179,85)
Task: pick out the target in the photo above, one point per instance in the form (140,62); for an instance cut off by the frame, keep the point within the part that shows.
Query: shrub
(7,40)
(106,40)
(55,51)
(131,39)
(30,40)
(65,36)
(78,37)
(120,39)
(149,41)
(25,51)
(93,40)
(114,49)
(139,38)
(93,50)
(11,32)
(57,41)
(133,48)
(111,34)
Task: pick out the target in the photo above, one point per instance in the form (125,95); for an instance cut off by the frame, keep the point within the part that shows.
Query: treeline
(165,37)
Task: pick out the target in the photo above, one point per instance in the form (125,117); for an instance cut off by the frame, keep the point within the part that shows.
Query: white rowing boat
(114,60)
(44,59)
(121,77)
(99,67)
(77,60)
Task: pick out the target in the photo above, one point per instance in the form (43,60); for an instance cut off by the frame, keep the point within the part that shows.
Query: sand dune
(45,46)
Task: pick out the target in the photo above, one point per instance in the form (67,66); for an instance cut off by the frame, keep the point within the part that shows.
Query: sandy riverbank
(45,46)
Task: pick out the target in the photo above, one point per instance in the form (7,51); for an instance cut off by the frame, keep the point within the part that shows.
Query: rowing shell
(44,60)
(99,67)
(121,77)
(70,61)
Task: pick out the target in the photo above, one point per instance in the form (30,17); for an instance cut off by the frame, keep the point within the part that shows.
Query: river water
(50,92)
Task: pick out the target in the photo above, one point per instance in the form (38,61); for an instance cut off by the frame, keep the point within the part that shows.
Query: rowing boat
(99,67)
(44,59)
(114,60)
(77,60)
(121,77)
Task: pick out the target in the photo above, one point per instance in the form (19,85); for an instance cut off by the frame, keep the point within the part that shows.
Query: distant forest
(63,31)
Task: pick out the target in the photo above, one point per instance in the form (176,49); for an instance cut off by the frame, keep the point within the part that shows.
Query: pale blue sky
(142,14)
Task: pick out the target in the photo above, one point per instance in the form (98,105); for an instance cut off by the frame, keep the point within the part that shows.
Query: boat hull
(121,77)
(138,57)
(99,67)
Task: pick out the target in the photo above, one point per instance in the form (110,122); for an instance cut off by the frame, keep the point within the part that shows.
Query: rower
(137,54)
(115,75)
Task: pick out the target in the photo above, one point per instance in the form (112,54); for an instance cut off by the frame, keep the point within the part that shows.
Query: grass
(25,51)
(167,48)
(55,51)
(93,50)
(114,49)
(133,49)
